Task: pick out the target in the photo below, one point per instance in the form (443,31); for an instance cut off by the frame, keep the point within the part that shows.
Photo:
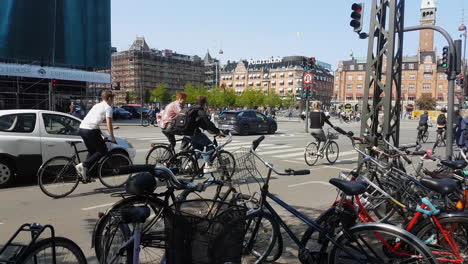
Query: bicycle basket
(204,232)
(332,135)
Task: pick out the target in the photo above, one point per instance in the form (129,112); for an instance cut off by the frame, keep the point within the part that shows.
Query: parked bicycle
(319,149)
(58,177)
(362,243)
(40,250)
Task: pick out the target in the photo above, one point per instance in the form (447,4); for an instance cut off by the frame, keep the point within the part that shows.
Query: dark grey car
(246,122)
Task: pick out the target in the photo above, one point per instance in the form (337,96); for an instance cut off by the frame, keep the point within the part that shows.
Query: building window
(428,68)
(282,82)
(402,76)
(350,77)
(349,86)
(361,67)
(427,76)
(402,87)
(412,77)
(358,97)
(411,66)
(440,87)
(290,74)
(349,98)
(273,83)
(237,77)
(359,86)
(265,84)
(411,97)
(403,66)
(351,67)
(359,77)
(250,83)
(281,75)
(290,82)
(442,76)
(411,86)
(336,87)
(440,97)
(426,86)
(273,75)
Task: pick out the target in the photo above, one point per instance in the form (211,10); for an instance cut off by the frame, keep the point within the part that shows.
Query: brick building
(421,73)
(282,76)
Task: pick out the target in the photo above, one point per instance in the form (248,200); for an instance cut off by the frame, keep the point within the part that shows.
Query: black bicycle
(40,250)
(361,243)
(423,134)
(58,177)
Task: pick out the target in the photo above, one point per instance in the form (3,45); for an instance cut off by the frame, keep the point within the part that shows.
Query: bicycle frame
(135,239)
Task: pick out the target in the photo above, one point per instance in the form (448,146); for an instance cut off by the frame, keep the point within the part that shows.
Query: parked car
(136,110)
(30,137)
(244,122)
(120,113)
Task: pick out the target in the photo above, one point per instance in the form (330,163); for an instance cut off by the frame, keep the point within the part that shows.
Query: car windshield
(229,114)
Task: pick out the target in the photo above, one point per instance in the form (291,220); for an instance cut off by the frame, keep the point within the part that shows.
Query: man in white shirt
(92,135)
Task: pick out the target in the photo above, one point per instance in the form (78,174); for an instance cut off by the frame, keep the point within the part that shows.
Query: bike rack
(12,251)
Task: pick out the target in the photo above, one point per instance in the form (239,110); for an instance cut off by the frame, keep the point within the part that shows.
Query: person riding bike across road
(92,135)
(442,121)
(199,119)
(169,116)
(424,121)
(317,120)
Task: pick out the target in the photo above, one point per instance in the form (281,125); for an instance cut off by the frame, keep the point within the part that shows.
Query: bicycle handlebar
(287,172)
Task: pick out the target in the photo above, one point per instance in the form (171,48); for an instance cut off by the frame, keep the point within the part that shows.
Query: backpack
(185,122)
(441,120)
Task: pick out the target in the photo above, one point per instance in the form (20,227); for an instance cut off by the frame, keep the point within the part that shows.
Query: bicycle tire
(47,170)
(107,220)
(425,136)
(30,256)
(225,171)
(311,151)
(109,242)
(187,165)
(106,168)
(410,244)
(427,232)
(329,149)
(145,122)
(159,158)
(254,253)
(329,220)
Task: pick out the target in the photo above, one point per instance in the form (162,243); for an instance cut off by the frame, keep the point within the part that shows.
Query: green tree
(230,97)
(272,100)
(129,97)
(160,94)
(193,91)
(216,97)
(250,98)
(288,101)
(426,102)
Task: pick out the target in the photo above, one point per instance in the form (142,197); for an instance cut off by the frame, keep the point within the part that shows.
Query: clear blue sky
(260,29)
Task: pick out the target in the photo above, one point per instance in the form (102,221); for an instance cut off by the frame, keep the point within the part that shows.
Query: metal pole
(50,94)
(307,114)
(141,92)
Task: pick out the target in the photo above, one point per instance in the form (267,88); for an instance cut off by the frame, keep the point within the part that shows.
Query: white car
(28,138)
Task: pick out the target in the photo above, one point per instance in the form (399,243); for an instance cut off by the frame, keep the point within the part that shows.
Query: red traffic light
(54,83)
(312,59)
(356,7)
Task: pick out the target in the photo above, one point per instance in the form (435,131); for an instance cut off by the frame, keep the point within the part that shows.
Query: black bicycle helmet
(444,110)
(141,184)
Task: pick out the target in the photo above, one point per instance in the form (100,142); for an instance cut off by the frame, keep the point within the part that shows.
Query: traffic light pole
(307,113)
(451,76)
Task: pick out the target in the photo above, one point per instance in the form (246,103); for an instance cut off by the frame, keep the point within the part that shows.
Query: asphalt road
(75,215)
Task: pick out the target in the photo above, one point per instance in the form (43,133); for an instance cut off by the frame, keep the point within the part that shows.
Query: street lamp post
(462,28)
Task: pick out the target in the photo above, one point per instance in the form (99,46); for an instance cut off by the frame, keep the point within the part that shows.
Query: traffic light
(304,91)
(460,81)
(54,83)
(357,16)
(305,64)
(445,58)
(311,62)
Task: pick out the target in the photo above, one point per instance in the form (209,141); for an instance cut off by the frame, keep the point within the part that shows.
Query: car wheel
(244,131)
(7,173)
(272,129)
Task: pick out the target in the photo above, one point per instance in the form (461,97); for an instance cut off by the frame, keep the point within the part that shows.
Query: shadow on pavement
(97,190)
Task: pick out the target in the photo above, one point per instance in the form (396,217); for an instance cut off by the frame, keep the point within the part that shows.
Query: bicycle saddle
(442,186)
(439,175)
(454,164)
(135,214)
(349,187)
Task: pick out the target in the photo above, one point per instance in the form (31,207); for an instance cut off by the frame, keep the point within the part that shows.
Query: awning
(290,89)
(281,89)
(411,95)
(349,95)
(250,83)
(440,95)
(229,83)
(273,82)
(257,82)
(290,81)
(242,76)
(359,95)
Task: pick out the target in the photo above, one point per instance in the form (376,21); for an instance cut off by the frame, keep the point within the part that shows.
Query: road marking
(97,206)
(1,223)
(279,151)
(244,145)
(299,153)
(309,182)
(279,147)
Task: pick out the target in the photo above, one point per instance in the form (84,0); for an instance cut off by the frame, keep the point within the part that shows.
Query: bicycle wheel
(152,236)
(374,243)
(261,235)
(186,163)
(159,155)
(58,177)
(456,227)
(311,153)
(108,168)
(225,165)
(145,122)
(115,239)
(425,136)
(332,152)
(66,251)
(315,241)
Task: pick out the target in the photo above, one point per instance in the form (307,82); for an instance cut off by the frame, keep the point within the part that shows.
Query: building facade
(421,73)
(141,69)
(281,76)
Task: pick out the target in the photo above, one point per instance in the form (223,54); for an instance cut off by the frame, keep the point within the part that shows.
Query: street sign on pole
(308,78)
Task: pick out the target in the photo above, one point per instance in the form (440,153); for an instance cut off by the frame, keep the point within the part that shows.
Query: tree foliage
(160,94)
(130,97)
(251,98)
(288,101)
(272,100)
(426,102)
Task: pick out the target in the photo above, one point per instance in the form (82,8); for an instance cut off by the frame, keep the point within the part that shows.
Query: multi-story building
(141,68)
(421,73)
(282,76)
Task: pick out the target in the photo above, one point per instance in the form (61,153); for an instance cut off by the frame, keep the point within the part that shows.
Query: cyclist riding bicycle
(423,121)
(442,121)
(199,119)
(170,114)
(317,120)
(91,133)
